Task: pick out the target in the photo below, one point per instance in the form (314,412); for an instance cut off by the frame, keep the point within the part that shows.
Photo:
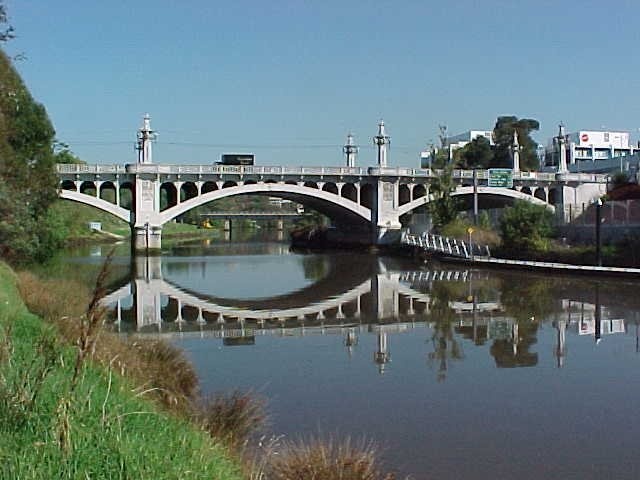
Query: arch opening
(349,192)
(366,195)
(188,190)
(209,187)
(108,192)
(68,185)
(168,196)
(404,194)
(88,188)
(127,195)
(330,187)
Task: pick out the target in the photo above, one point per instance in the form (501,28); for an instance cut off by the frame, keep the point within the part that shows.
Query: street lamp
(598,237)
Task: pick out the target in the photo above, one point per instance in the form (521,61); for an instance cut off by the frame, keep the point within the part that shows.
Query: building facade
(585,149)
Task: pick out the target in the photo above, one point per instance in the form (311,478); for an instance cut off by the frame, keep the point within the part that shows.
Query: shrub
(232,418)
(526,227)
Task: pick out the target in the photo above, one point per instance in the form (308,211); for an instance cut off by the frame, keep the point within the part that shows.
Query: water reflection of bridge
(377,297)
(382,296)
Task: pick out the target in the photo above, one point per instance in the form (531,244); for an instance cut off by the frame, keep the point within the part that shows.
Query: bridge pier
(384,213)
(147,238)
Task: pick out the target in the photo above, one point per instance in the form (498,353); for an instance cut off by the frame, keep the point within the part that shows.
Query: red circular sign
(584,137)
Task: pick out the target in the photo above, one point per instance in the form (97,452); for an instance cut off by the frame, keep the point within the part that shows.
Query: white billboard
(599,139)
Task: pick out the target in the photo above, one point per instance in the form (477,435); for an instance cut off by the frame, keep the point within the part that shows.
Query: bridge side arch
(98,203)
(285,190)
(501,192)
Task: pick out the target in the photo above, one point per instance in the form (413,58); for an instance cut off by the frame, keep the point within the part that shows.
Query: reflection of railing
(445,245)
(448,275)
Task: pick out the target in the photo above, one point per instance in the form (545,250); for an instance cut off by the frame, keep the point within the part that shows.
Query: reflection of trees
(445,344)
(528,304)
(315,267)
(531,300)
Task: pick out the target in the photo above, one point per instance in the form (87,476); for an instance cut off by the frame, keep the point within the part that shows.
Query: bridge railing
(82,168)
(459,174)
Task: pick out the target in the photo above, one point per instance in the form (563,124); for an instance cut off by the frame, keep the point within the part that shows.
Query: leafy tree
(6,31)
(526,227)
(27,178)
(475,154)
(443,208)
(64,155)
(440,157)
(503,139)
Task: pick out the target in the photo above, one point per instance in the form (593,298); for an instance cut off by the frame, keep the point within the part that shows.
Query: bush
(526,227)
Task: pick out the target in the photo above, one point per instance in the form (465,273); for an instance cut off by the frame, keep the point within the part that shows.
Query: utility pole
(598,236)
(475,196)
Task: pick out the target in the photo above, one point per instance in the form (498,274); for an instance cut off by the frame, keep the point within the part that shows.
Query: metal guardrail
(445,245)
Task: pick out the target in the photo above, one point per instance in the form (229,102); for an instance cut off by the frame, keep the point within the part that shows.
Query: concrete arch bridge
(366,200)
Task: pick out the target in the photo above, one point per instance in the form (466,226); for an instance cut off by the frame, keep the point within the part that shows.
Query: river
(454,372)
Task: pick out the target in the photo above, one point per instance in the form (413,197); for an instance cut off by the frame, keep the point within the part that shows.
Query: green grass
(76,217)
(98,429)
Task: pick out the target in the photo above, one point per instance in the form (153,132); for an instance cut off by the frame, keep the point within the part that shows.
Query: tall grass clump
(327,460)
(159,370)
(233,417)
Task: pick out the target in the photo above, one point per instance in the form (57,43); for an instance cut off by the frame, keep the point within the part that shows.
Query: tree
(443,208)
(503,139)
(27,178)
(526,227)
(475,154)
(64,155)
(6,31)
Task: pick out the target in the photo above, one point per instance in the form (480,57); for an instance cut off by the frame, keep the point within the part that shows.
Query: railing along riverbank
(439,245)
(449,249)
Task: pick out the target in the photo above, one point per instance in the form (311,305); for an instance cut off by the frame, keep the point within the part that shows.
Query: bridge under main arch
(370,199)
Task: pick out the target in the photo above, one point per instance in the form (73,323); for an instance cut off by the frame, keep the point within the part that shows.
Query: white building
(587,150)
(456,142)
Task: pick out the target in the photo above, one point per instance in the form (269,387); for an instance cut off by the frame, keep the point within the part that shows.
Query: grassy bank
(75,217)
(63,419)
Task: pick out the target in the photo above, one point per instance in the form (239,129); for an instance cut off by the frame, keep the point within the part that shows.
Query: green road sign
(501,177)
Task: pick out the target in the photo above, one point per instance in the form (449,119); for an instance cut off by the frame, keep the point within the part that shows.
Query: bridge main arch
(331,204)
(494,191)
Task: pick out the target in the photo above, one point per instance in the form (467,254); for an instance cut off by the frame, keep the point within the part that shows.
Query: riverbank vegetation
(64,416)
(101,405)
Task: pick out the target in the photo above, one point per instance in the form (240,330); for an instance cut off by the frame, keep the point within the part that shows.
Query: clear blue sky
(288,79)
